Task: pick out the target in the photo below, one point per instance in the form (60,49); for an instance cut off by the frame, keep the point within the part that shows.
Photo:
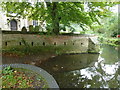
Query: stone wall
(68,44)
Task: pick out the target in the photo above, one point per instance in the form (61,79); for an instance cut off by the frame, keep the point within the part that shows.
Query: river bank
(113,41)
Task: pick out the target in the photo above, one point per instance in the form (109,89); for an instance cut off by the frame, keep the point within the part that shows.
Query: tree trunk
(55,17)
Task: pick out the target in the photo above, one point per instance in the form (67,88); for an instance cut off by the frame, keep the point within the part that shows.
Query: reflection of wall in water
(71,62)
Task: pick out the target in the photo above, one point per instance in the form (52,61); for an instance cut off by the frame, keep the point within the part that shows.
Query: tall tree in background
(56,13)
(109,27)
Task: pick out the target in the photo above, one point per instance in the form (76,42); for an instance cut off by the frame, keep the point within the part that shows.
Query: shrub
(36,29)
(24,30)
(31,28)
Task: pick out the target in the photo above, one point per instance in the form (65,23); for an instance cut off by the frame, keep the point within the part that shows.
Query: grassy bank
(110,41)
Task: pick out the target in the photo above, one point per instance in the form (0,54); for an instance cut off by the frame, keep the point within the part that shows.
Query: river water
(82,70)
(86,70)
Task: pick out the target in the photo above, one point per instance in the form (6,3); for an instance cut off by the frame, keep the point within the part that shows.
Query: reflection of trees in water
(102,73)
(109,54)
(69,80)
(103,79)
(95,77)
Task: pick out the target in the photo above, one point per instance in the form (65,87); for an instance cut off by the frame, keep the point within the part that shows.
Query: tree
(56,13)
(110,26)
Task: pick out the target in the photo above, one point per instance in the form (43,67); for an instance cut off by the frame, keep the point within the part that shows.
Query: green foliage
(111,41)
(49,28)
(36,29)
(31,29)
(24,30)
(7,70)
(15,78)
(21,78)
(109,27)
(57,13)
(26,45)
(82,32)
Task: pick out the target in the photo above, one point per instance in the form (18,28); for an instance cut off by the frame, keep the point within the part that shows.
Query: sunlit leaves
(82,13)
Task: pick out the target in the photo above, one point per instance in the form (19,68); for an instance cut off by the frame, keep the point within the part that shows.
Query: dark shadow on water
(70,62)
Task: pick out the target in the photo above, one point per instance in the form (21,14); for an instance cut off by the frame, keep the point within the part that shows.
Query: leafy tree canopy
(57,13)
(109,27)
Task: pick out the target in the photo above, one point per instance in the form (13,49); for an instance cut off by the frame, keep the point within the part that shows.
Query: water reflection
(82,70)
(104,72)
(70,62)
